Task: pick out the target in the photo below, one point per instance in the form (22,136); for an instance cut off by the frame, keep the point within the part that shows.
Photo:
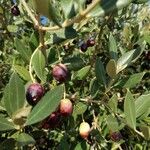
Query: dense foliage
(74,74)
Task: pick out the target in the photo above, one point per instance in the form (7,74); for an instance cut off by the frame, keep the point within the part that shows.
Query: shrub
(89,61)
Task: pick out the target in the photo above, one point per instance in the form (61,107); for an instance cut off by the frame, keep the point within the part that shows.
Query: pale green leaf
(129,110)
(113,102)
(133,80)
(23,72)
(23,50)
(100,71)
(113,47)
(82,73)
(38,62)
(25,139)
(14,94)
(5,124)
(142,104)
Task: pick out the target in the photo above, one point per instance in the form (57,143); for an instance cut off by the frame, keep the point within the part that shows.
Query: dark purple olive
(15,10)
(60,72)
(84,47)
(34,93)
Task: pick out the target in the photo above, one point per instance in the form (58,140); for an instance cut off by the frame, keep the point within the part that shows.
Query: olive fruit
(84,47)
(34,93)
(90,42)
(15,10)
(60,72)
(84,130)
(52,121)
(65,107)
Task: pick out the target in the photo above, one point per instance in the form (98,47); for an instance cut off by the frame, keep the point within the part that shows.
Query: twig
(29,12)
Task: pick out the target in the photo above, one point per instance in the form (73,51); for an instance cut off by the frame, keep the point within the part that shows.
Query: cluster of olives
(89,43)
(35,92)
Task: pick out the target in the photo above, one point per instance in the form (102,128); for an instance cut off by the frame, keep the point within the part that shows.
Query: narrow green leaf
(14,95)
(23,72)
(53,14)
(105,7)
(79,108)
(127,58)
(111,68)
(146,131)
(38,62)
(24,51)
(133,80)
(100,71)
(68,8)
(94,87)
(113,124)
(46,105)
(142,104)
(129,110)
(82,73)
(113,47)
(34,40)
(145,114)
(25,139)
(75,63)
(5,124)
(113,102)
(130,81)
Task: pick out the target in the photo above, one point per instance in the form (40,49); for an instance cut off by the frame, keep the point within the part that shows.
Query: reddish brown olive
(90,42)
(66,107)
(52,121)
(60,72)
